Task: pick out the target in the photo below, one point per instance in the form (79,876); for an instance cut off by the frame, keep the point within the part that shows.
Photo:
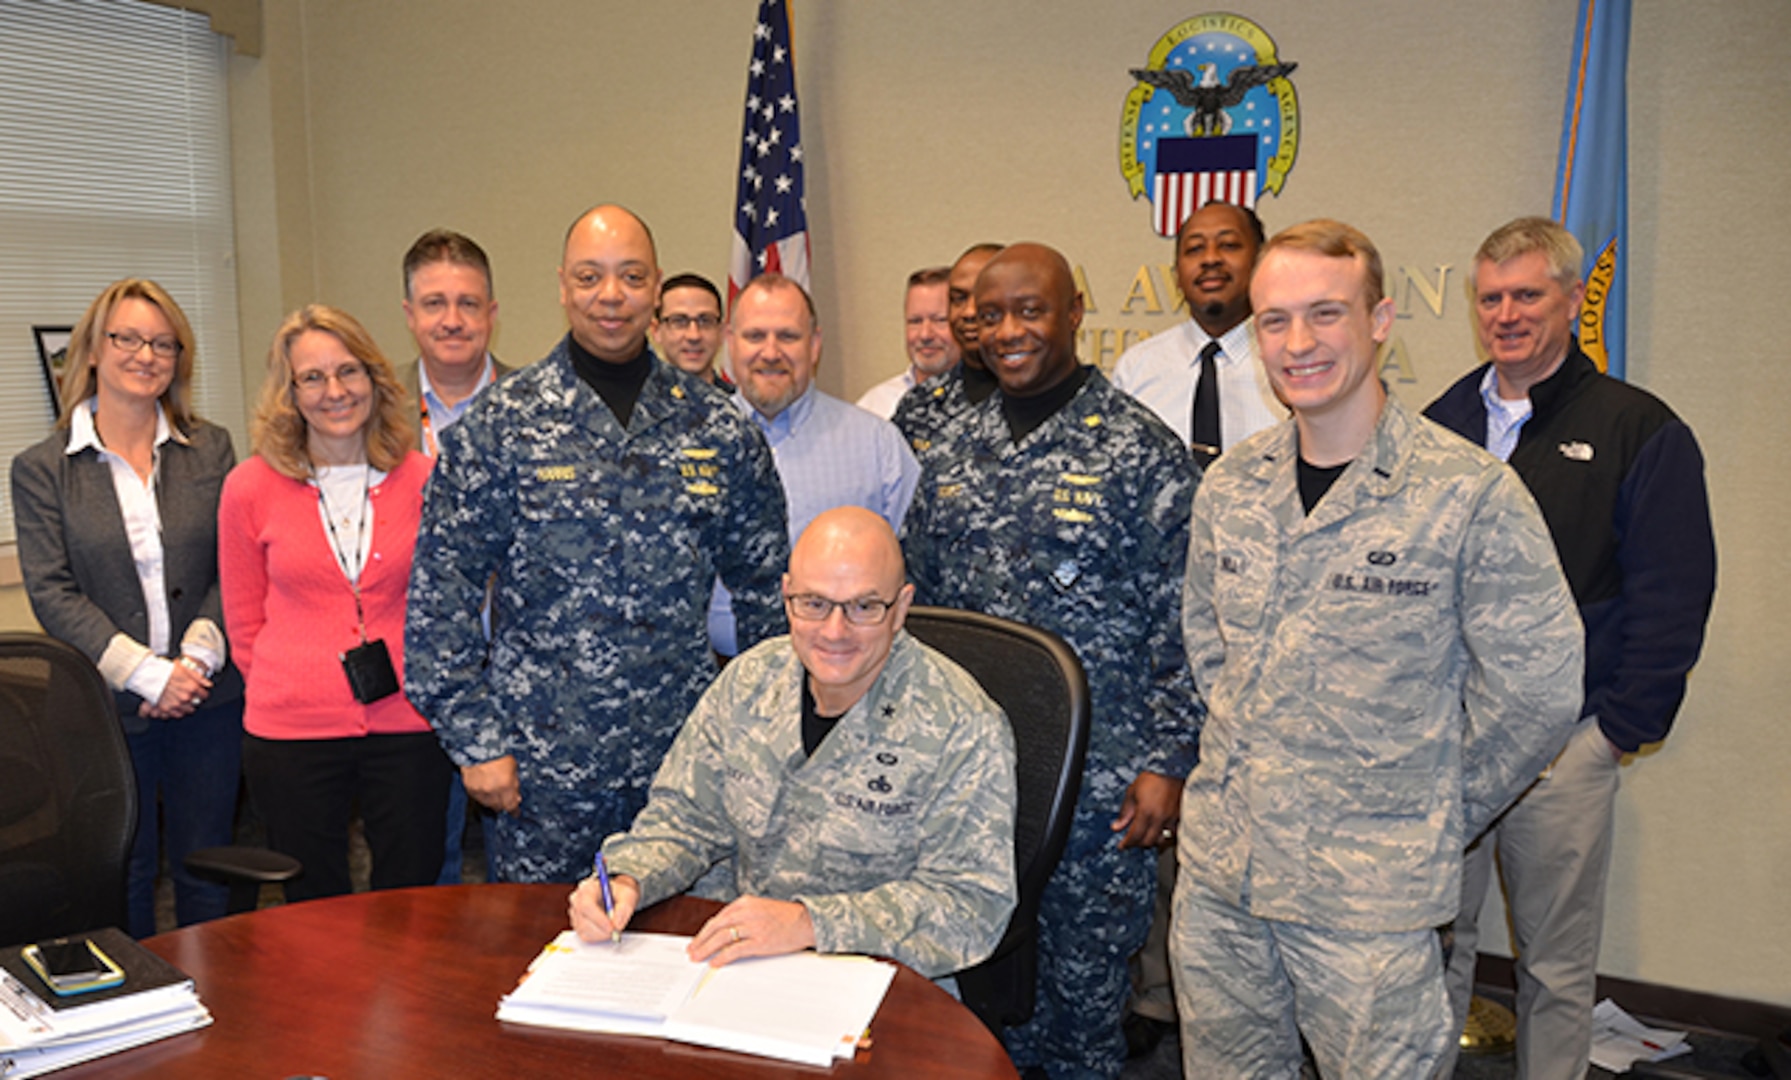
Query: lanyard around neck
(360,531)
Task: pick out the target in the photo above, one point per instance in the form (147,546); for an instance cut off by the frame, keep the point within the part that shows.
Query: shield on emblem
(1193,172)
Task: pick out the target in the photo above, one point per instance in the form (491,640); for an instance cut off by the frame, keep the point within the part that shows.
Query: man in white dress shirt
(1215,251)
(927,329)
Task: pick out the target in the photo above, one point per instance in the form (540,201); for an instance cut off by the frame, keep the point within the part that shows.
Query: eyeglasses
(129,341)
(864,611)
(314,381)
(681,323)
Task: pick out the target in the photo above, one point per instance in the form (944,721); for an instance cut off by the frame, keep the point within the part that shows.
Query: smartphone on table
(72,965)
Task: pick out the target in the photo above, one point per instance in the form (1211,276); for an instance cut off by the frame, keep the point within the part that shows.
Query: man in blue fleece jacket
(1621,483)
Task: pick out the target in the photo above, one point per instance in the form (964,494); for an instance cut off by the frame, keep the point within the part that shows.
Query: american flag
(771,213)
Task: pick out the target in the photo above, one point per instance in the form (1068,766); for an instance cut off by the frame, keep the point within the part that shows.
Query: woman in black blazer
(117,519)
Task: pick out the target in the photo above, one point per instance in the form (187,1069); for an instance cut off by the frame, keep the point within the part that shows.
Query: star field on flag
(770,210)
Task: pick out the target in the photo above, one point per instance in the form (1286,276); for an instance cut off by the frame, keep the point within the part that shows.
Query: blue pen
(601,869)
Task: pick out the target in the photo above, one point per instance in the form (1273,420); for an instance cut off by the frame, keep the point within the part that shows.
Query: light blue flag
(1592,180)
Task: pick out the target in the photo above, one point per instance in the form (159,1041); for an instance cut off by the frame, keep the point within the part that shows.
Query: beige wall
(931,125)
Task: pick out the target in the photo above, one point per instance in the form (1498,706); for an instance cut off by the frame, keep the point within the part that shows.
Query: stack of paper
(1619,1040)
(802,1007)
(41,1031)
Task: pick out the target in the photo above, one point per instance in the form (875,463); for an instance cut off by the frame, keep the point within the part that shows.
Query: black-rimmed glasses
(681,323)
(129,341)
(862,611)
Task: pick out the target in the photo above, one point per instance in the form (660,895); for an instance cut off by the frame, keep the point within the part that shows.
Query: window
(114,162)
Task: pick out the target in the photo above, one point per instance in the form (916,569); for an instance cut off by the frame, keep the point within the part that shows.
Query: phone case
(112,975)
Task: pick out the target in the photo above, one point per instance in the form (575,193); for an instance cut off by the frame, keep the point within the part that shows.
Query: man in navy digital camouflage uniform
(605,490)
(1063,503)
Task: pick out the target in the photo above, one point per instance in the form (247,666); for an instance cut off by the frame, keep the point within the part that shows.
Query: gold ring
(734,932)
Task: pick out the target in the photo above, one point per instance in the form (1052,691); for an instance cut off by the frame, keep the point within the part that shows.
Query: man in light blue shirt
(449,307)
(829,453)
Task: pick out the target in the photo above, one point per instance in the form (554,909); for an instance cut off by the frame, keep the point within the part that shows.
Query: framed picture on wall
(52,353)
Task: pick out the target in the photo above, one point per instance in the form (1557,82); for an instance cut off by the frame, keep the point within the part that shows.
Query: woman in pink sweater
(314,547)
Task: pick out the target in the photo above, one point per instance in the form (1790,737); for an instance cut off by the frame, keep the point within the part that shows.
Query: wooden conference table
(405,983)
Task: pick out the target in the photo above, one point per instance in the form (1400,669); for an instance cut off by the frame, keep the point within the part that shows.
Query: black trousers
(306,790)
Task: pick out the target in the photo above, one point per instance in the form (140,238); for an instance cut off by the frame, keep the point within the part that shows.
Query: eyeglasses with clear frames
(314,381)
(681,323)
(129,341)
(862,611)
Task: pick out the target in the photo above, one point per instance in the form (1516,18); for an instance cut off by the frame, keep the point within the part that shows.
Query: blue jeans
(187,775)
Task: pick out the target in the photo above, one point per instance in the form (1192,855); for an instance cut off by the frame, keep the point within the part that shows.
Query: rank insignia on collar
(678,392)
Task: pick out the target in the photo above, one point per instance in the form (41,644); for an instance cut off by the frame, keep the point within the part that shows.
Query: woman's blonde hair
(278,431)
(89,341)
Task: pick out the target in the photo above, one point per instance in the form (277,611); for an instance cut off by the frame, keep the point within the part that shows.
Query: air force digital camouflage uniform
(897,835)
(605,543)
(1082,529)
(1383,676)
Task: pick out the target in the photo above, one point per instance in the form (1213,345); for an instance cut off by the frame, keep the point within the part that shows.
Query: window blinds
(114,162)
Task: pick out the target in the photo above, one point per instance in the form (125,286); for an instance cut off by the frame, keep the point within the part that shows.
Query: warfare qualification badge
(1212,116)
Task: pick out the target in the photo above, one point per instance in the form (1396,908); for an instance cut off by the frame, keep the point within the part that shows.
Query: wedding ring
(734,932)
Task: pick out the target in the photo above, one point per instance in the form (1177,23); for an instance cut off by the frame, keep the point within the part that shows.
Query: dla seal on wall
(1213,116)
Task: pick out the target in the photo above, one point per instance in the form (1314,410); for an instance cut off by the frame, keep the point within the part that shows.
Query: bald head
(849,558)
(606,217)
(1046,264)
(850,536)
(609,283)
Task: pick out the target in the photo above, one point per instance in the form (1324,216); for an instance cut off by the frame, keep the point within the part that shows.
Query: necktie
(1206,407)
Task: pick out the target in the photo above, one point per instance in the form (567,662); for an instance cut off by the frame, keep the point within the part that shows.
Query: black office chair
(68,801)
(68,798)
(1038,680)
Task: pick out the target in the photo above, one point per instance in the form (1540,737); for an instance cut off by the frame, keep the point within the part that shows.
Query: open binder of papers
(803,1007)
(41,1032)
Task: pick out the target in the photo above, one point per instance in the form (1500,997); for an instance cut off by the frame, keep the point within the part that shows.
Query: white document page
(800,1007)
(642,977)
